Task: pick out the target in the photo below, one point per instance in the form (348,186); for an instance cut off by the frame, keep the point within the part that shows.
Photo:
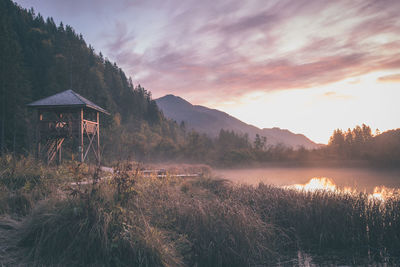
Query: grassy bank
(129,220)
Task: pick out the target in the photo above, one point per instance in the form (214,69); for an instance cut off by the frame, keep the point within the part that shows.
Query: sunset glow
(316,183)
(307,66)
(380,193)
(261,133)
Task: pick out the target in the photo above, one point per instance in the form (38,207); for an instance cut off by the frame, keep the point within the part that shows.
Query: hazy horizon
(306,66)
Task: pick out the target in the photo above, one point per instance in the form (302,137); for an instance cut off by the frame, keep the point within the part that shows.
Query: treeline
(360,144)
(346,148)
(39,58)
(233,149)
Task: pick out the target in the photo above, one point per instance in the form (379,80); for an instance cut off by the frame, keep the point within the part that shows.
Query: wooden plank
(81,135)
(98,139)
(38,137)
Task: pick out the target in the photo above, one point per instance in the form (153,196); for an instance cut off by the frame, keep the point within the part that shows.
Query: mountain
(211,121)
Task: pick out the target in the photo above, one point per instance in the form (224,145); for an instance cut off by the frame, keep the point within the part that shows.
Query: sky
(309,66)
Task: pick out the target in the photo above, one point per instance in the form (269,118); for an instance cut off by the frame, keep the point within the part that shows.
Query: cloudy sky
(307,66)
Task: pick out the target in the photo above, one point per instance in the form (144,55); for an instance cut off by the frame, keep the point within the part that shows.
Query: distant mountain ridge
(211,121)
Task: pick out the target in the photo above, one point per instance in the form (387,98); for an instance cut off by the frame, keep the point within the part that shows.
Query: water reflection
(381,193)
(316,183)
(360,179)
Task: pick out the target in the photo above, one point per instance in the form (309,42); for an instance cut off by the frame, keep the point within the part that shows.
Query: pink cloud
(394,78)
(208,48)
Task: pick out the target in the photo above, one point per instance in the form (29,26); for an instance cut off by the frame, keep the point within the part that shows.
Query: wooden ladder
(52,146)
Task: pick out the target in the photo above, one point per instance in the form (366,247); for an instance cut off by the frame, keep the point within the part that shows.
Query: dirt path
(10,253)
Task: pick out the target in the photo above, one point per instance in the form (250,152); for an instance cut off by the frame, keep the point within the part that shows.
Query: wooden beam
(54,147)
(98,139)
(81,136)
(91,138)
(38,137)
(59,151)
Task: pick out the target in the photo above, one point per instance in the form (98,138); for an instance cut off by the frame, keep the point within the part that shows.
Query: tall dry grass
(135,221)
(321,221)
(130,220)
(23,181)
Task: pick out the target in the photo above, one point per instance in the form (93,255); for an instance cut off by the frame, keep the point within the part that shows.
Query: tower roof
(66,99)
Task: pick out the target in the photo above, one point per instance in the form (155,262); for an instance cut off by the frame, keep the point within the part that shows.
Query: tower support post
(81,129)
(98,139)
(38,137)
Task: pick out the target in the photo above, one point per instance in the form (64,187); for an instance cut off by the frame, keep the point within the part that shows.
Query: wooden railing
(55,128)
(66,128)
(90,126)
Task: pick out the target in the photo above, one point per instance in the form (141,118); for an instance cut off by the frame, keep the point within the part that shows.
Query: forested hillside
(211,121)
(360,143)
(39,58)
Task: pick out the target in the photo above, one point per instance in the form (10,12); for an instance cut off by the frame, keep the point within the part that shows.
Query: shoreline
(334,164)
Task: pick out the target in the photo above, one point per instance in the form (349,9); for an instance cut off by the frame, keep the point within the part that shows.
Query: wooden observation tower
(63,116)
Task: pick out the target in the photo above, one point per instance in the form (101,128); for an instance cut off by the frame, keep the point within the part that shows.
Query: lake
(361,179)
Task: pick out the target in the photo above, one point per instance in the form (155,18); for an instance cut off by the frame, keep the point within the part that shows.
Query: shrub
(132,220)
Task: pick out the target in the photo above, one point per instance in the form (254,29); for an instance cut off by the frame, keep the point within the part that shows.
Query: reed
(130,220)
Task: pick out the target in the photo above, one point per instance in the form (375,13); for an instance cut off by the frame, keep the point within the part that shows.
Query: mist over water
(361,179)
